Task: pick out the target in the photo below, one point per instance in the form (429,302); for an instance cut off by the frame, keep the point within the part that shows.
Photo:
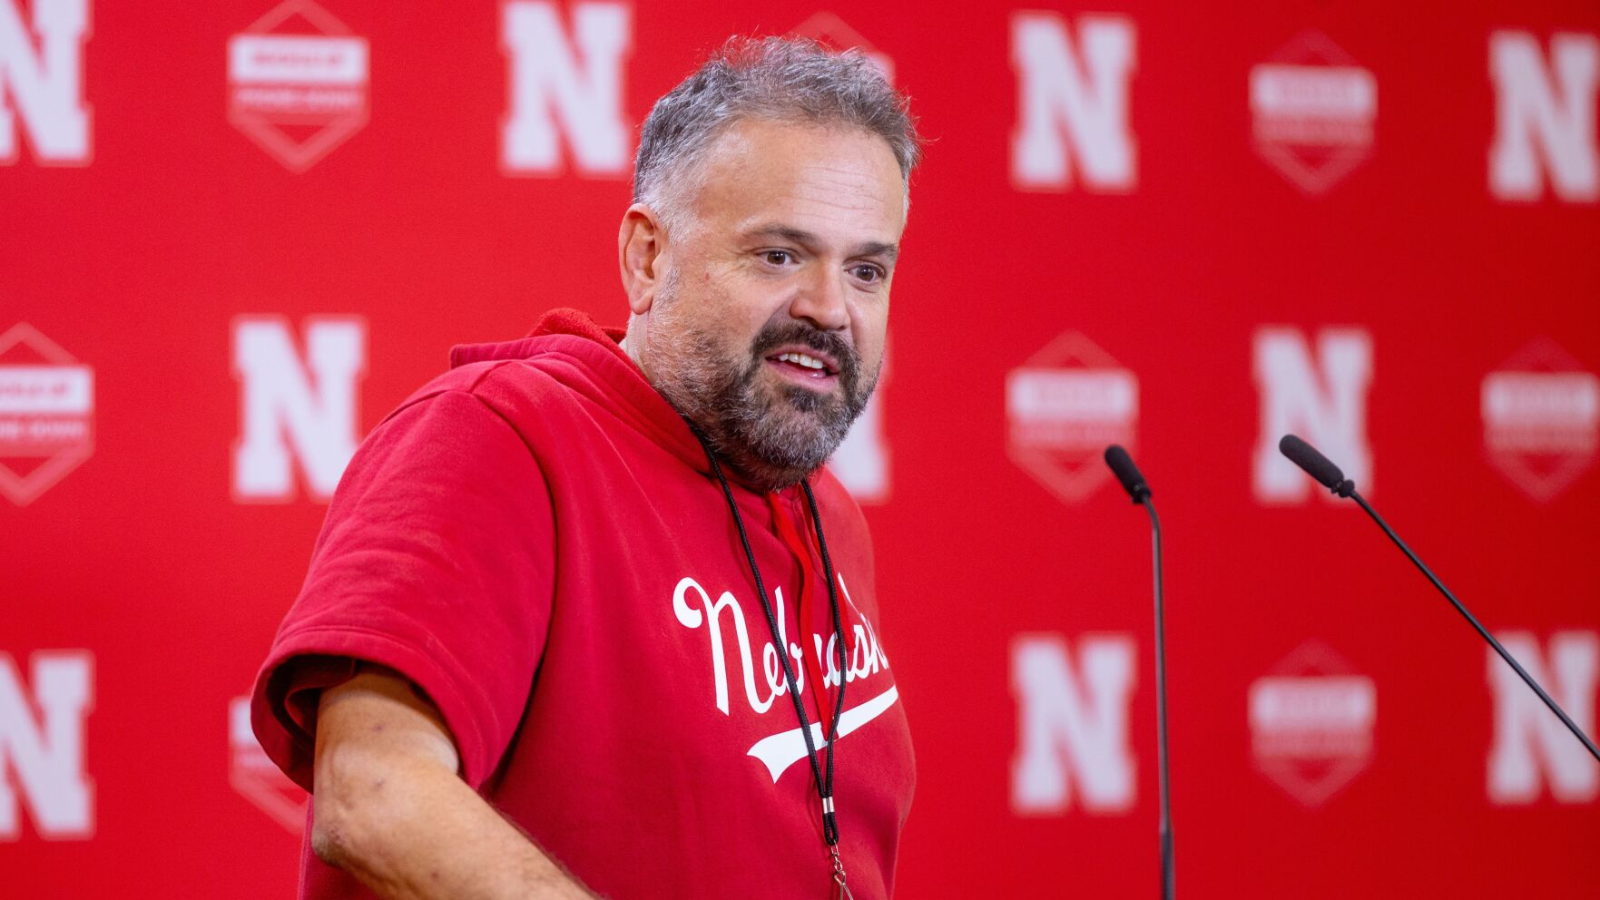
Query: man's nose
(821,300)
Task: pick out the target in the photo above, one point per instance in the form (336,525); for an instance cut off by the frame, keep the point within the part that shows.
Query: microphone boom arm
(1323,470)
(1165,826)
(1473,621)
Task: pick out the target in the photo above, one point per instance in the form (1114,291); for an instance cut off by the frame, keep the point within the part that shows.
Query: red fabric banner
(234,237)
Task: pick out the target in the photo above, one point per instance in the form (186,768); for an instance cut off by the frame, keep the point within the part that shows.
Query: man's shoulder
(512,376)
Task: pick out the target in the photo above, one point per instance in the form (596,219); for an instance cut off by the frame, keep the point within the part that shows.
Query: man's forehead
(751,132)
(807,177)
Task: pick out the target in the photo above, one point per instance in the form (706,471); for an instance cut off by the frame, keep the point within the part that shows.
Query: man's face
(767,329)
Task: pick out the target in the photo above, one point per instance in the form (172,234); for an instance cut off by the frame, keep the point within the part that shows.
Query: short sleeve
(436,561)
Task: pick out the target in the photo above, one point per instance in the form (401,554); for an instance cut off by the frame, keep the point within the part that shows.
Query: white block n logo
(1075,97)
(1544,116)
(43,754)
(293,408)
(576,81)
(1072,724)
(41,81)
(1321,397)
(1531,746)
(861,461)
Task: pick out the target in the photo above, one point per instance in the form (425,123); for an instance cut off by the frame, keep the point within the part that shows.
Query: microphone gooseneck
(1133,482)
(1319,467)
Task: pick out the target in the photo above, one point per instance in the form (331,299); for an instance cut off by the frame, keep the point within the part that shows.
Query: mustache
(774,336)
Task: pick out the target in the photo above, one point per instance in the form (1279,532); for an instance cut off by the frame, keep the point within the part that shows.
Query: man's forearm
(433,839)
(391,809)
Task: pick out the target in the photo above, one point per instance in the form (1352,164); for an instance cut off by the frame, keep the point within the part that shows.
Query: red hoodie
(535,541)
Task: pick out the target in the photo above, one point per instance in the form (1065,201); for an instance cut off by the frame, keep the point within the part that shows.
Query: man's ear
(641,247)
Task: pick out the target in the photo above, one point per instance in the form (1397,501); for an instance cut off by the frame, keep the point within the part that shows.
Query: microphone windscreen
(1122,465)
(1315,464)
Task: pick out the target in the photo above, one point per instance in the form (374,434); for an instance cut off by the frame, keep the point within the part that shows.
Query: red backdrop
(1184,228)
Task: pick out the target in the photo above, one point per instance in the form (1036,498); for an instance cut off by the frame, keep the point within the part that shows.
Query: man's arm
(391,810)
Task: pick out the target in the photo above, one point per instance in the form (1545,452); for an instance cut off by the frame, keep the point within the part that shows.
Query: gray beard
(771,441)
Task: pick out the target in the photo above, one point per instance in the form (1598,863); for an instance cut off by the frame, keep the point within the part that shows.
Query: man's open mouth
(808,368)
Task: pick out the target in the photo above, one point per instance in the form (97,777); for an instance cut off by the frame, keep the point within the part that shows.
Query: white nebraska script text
(865,658)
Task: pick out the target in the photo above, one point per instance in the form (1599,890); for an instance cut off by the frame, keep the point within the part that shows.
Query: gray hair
(782,79)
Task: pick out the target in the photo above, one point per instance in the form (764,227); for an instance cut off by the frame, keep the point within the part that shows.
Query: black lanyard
(830,824)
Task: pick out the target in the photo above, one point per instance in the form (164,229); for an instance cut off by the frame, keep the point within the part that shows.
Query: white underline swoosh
(782,750)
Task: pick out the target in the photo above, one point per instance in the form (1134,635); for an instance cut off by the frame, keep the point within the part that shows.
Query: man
(584,615)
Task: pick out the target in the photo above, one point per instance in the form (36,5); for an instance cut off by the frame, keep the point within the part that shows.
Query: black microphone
(1122,466)
(1133,482)
(1316,465)
(1319,467)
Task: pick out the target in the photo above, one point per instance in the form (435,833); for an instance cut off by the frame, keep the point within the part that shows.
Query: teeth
(800,359)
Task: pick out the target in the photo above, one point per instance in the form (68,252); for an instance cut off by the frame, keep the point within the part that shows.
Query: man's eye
(869,273)
(777,257)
